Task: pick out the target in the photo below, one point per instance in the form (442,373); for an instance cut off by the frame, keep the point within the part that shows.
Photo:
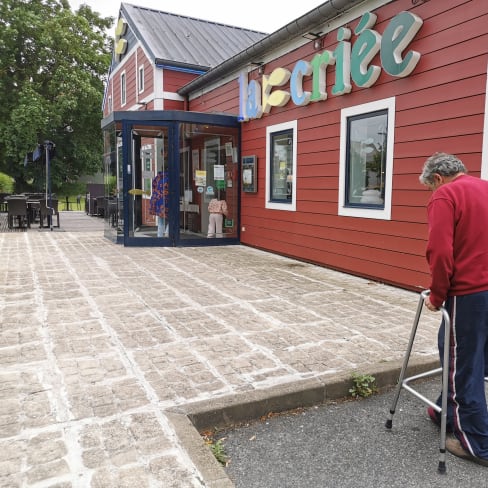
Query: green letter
(319,75)
(397,36)
(342,55)
(364,50)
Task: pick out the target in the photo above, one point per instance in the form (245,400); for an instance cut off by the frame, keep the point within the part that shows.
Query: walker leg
(389,421)
(445,385)
(404,382)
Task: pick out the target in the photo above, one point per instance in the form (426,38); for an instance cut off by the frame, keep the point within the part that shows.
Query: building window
(281,150)
(110,106)
(123,90)
(366,160)
(141,79)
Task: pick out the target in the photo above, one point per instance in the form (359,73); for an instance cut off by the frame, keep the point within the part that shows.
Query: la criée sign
(351,61)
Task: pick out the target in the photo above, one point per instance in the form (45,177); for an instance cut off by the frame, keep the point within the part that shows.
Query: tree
(53,62)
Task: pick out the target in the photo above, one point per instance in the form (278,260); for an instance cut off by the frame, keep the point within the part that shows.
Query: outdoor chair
(48,213)
(112,211)
(3,202)
(102,204)
(17,209)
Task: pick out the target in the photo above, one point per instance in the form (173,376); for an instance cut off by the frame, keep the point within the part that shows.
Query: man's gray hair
(442,164)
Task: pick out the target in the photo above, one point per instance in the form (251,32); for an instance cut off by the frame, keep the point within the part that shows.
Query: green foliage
(72,190)
(364,385)
(219,452)
(6,183)
(111,184)
(216,447)
(52,65)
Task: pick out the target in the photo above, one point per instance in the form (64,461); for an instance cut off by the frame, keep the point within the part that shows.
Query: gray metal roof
(185,41)
(308,22)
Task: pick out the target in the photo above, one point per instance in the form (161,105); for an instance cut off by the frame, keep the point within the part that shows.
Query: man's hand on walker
(429,305)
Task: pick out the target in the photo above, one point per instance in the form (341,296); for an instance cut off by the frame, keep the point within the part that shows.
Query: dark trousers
(468,365)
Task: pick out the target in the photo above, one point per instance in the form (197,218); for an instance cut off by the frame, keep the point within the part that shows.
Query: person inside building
(217,209)
(158,204)
(457,254)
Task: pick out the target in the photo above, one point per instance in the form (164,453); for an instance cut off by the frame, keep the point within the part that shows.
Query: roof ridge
(140,7)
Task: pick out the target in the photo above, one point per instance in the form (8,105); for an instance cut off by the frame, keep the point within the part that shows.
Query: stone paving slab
(104,350)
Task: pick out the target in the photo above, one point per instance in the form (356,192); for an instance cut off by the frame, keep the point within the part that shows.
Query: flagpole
(48,184)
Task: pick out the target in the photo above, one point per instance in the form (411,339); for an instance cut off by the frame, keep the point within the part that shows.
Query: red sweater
(457,248)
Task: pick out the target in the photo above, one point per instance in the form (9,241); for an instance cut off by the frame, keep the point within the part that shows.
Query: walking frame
(404,382)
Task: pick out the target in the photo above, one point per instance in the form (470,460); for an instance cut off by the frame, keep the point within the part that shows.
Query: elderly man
(457,253)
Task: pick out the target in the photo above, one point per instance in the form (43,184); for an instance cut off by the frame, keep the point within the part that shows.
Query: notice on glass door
(218,172)
(200,177)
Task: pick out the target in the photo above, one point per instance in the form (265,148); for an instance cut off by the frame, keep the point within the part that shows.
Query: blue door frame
(170,121)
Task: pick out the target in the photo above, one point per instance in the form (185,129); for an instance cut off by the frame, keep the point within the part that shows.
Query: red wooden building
(336,113)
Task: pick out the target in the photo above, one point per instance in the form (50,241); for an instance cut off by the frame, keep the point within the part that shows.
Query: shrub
(364,385)
(6,183)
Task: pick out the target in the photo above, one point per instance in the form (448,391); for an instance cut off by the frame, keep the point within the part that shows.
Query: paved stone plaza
(102,346)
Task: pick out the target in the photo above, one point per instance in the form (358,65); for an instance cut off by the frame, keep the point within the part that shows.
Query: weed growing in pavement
(216,447)
(364,385)
(219,452)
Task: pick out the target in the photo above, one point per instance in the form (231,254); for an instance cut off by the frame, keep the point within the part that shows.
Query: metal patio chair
(17,210)
(46,212)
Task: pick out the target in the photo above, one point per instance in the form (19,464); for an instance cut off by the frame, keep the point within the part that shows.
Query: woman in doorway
(217,210)
(158,205)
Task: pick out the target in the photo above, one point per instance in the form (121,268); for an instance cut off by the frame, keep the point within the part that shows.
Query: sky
(259,15)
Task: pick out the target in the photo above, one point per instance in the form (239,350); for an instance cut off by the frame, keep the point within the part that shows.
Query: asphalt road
(346,444)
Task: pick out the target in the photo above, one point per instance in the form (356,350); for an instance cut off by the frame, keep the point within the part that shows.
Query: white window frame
(368,213)
(140,78)
(123,89)
(292,206)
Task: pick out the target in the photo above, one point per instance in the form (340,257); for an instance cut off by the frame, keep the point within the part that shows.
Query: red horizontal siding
(439,107)
(174,80)
(224,99)
(173,105)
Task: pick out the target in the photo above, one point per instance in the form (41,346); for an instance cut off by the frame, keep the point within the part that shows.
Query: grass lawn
(73,205)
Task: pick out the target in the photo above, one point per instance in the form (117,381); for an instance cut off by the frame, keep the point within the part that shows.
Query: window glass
(366,160)
(122,89)
(281,166)
(141,79)
(111,203)
(208,162)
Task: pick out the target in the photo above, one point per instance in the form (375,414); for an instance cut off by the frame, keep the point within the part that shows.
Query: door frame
(124,122)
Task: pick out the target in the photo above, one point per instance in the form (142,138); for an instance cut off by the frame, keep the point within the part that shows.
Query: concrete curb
(190,420)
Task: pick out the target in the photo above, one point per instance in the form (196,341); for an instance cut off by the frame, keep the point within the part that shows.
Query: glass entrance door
(208,165)
(177,183)
(148,175)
